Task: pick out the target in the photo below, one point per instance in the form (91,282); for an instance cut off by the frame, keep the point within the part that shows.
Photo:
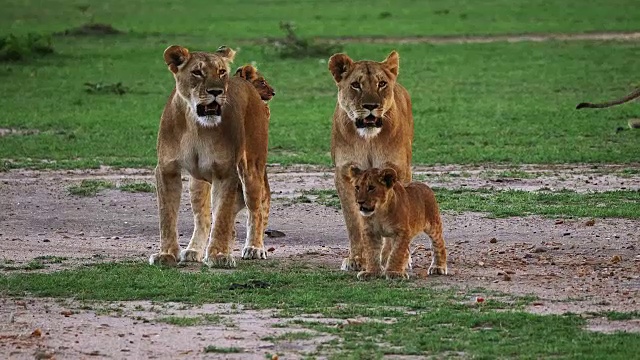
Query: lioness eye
(222,72)
(371,188)
(197,72)
(357,188)
(263,83)
(355,85)
(382,84)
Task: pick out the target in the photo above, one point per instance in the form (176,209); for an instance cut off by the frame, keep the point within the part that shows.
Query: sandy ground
(571,265)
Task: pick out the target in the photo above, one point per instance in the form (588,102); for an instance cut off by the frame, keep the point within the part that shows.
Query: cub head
(365,90)
(250,73)
(201,80)
(373,187)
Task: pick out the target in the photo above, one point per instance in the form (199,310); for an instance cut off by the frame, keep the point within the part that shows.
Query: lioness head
(201,80)
(373,187)
(250,73)
(365,90)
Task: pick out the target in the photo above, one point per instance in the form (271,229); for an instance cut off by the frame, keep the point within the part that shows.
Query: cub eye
(263,83)
(197,73)
(371,188)
(357,188)
(221,72)
(382,84)
(355,85)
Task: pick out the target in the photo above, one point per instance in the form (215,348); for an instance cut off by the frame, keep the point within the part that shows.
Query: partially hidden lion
(372,127)
(394,214)
(213,126)
(251,74)
(634,94)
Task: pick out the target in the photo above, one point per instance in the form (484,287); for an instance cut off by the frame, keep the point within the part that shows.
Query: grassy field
(427,320)
(476,103)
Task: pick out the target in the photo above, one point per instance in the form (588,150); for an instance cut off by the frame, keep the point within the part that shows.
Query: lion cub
(393,215)
(251,74)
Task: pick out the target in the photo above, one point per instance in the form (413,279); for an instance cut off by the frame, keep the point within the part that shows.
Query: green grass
(222,350)
(90,187)
(138,187)
(476,103)
(253,19)
(426,320)
(505,203)
(206,319)
(617,316)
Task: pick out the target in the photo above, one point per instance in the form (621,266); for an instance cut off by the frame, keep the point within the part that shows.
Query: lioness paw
(437,270)
(220,261)
(351,264)
(367,275)
(396,275)
(163,259)
(252,252)
(190,255)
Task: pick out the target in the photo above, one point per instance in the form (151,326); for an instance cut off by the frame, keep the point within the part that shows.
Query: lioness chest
(208,156)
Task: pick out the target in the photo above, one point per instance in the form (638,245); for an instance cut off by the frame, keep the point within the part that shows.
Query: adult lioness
(394,214)
(372,127)
(214,126)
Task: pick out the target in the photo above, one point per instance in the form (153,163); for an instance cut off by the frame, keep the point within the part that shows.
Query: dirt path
(569,264)
(482,39)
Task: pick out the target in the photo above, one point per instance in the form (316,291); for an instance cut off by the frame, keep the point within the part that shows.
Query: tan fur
(634,94)
(393,215)
(223,147)
(251,74)
(361,84)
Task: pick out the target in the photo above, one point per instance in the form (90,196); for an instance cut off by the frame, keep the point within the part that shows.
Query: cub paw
(163,259)
(190,255)
(437,270)
(396,275)
(220,261)
(252,252)
(368,275)
(351,264)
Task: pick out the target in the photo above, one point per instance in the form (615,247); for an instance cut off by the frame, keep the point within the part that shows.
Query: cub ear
(339,65)
(354,171)
(392,62)
(388,176)
(247,72)
(226,52)
(175,56)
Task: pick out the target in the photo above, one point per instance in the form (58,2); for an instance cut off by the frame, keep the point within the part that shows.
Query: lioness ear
(175,56)
(388,177)
(247,72)
(339,64)
(392,62)
(226,52)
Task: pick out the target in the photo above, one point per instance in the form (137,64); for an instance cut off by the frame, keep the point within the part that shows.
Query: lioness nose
(370,106)
(215,92)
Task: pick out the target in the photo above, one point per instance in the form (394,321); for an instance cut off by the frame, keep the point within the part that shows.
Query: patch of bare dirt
(91,29)
(483,39)
(11,131)
(569,264)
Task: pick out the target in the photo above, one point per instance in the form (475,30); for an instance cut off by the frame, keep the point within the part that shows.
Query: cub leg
(223,200)
(373,244)
(169,189)
(353,220)
(200,193)
(439,261)
(398,258)
(253,188)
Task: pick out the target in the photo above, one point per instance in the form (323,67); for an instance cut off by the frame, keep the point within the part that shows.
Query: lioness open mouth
(369,122)
(366,210)
(212,108)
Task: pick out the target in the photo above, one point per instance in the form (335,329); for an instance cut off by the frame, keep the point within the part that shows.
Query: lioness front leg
(200,193)
(439,261)
(398,258)
(372,247)
(254,187)
(353,220)
(224,213)
(169,189)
